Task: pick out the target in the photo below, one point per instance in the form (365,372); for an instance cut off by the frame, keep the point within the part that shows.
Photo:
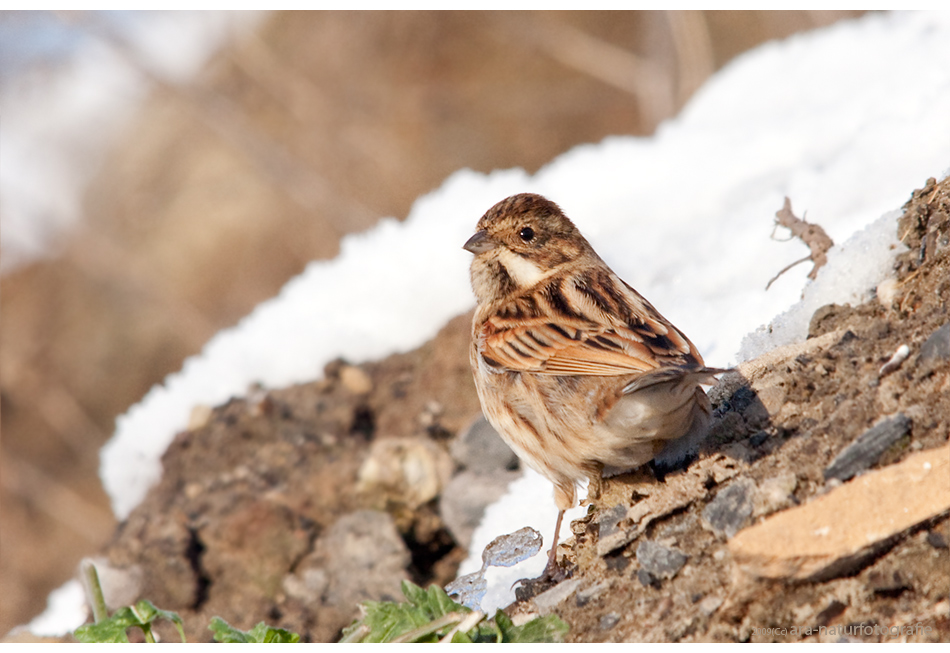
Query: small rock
(710,604)
(587,595)
(936,540)
(731,509)
(887,292)
(364,557)
(937,346)
(431,412)
(121,586)
(865,451)
(610,530)
(774,494)
(617,562)
(404,471)
(307,586)
(834,534)
(355,380)
(479,448)
(200,416)
(465,498)
(609,620)
(647,579)
(547,601)
(660,561)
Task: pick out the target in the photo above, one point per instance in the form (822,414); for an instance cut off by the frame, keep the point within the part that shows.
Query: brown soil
(250,494)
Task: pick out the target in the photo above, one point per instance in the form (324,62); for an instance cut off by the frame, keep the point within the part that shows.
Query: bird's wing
(587,324)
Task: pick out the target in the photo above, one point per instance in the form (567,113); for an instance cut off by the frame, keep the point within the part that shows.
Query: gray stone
(588,594)
(937,346)
(611,534)
(937,540)
(547,601)
(731,509)
(609,620)
(865,451)
(647,579)
(479,448)
(307,586)
(661,561)
(364,558)
(465,498)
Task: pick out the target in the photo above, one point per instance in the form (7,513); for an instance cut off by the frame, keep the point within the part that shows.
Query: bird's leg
(551,575)
(551,568)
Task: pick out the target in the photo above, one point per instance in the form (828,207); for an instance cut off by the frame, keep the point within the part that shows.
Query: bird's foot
(528,588)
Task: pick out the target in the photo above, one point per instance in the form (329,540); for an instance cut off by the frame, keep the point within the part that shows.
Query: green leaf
(259,634)
(104,632)
(385,621)
(543,629)
(142,615)
(416,595)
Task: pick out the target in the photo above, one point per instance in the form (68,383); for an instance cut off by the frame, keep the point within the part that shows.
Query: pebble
(774,494)
(868,448)
(355,380)
(550,599)
(308,587)
(609,620)
(710,604)
(937,346)
(660,561)
(588,594)
(731,509)
(405,471)
(366,559)
(937,540)
(200,416)
(479,448)
(647,579)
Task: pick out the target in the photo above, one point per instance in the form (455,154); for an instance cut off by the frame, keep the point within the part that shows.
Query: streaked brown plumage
(573,367)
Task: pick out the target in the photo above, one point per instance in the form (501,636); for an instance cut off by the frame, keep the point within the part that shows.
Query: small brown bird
(575,370)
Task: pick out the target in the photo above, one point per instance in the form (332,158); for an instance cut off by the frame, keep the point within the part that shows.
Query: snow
(66,610)
(845,121)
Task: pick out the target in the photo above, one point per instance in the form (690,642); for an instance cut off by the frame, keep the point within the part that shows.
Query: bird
(576,371)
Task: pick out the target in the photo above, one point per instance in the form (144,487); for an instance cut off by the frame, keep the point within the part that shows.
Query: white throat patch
(521,270)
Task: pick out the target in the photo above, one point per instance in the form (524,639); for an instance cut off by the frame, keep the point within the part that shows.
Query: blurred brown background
(312,126)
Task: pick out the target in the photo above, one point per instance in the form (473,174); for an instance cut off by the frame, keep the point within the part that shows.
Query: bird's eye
(527,234)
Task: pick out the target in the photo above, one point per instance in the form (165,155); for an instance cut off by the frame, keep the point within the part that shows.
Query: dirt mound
(292,505)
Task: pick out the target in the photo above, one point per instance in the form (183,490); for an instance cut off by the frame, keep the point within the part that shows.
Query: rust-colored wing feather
(587,324)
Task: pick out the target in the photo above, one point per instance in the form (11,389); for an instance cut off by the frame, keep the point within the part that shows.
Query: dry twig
(812,235)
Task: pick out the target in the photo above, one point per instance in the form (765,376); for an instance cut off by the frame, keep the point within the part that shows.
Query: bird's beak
(479,243)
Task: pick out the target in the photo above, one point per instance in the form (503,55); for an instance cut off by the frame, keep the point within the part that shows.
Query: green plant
(427,616)
(431,616)
(143,615)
